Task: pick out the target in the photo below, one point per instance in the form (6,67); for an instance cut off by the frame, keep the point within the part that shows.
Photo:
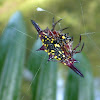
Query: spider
(58,45)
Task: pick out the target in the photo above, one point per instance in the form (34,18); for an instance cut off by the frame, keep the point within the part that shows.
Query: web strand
(31,82)
(87,34)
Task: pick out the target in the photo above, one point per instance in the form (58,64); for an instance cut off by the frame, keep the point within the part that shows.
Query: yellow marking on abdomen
(63,37)
(56,45)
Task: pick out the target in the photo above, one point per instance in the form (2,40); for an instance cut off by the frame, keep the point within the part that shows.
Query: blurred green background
(25,73)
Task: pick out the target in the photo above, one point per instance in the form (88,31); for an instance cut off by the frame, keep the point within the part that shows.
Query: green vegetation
(45,74)
(78,88)
(12,58)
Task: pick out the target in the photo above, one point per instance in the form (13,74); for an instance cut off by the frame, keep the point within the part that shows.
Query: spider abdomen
(52,48)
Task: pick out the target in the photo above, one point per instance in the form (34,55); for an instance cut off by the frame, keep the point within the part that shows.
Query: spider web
(89,37)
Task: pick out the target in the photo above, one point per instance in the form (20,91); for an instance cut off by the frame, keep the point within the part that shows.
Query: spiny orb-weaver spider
(58,45)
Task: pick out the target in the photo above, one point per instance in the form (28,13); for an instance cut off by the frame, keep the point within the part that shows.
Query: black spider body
(58,45)
(52,47)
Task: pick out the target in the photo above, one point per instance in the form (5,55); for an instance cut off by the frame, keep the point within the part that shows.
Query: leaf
(78,88)
(45,74)
(14,28)
(15,43)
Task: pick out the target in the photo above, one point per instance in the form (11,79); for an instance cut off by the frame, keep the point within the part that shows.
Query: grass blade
(14,60)
(78,88)
(44,83)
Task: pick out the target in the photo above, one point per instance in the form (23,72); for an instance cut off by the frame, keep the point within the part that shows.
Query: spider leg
(54,60)
(76,61)
(46,30)
(63,29)
(54,24)
(77,44)
(50,57)
(66,34)
(80,50)
(72,38)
